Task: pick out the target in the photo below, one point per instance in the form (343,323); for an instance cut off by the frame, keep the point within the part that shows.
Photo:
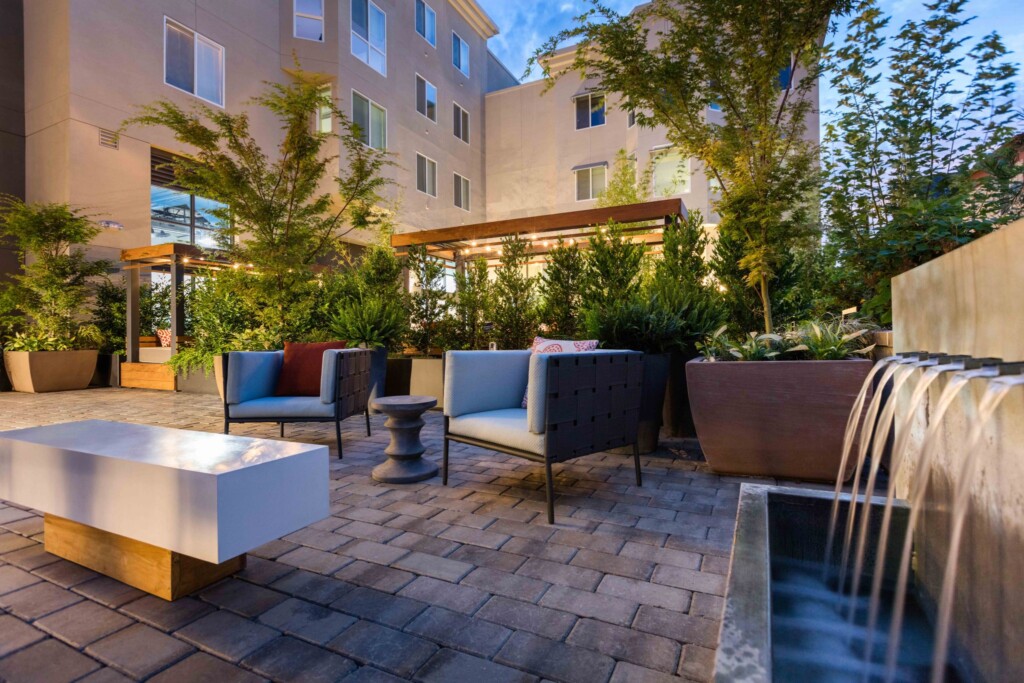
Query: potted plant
(372,322)
(428,309)
(776,405)
(641,323)
(55,351)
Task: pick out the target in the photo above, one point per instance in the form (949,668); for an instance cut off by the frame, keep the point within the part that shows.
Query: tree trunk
(766,303)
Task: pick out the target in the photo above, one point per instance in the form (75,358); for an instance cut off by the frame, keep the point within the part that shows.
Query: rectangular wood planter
(148,376)
(782,419)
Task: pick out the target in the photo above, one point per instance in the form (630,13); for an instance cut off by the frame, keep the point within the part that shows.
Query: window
(308,22)
(460,54)
(426,22)
(671,174)
(461,192)
(460,123)
(715,106)
(372,120)
(589,111)
(426,98)
(630,118)
(177,216)
(193,63)
(785,76)
(426,175)
(324,115)
(590,182)
(370,35)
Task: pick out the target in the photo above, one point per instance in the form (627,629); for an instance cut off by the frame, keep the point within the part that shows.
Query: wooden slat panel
(148,376)
(630,213)
(158,571)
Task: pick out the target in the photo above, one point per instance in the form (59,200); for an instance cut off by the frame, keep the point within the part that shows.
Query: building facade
(470,143)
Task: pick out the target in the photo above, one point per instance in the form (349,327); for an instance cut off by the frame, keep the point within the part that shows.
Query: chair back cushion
(537,388)
(478,381)
(542,345)
(303,364)
(252,375)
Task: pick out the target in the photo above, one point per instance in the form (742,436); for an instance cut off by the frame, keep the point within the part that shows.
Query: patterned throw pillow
(164,336)
(542,345)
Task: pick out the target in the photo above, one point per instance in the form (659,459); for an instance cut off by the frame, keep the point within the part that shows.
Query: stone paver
(415,582)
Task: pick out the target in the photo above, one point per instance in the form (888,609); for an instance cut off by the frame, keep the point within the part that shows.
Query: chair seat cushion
(505,427)
(303,364)
(274,407)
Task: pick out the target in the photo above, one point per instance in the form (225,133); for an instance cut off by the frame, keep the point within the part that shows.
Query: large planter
(108,370)
(378,373)
(782,419)
(43,371)
(396,379)
(677,417)
(5,381)
(426,378)
(200,382)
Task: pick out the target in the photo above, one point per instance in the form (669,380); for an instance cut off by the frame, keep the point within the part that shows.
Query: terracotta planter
(782,419)
(42,371)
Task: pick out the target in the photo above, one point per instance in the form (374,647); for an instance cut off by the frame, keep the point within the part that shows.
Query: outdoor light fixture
(184,260)
(235,266)
(111,225)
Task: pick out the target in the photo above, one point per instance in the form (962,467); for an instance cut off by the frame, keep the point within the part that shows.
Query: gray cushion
(329,372)
(480,381)
(283,406)
(252,374)
(536,391)
(506,427)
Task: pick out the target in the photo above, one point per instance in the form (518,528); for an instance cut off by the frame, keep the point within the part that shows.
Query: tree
(429,303)
(275,199)
(56,279)
(515,299)
(470,308)
(614,267)
(625,186)
(561,286)
(917,164)
(684,252)
(756,62)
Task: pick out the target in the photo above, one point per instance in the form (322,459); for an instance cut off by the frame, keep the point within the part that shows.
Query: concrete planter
(397,376)
(5,382)
(677,417)
(200,382)
(378,374)
(781,419)
(426,378)
(44,371)
(108,370)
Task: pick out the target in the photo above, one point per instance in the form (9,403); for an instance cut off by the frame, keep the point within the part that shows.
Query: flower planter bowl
(782,419)
(38,372)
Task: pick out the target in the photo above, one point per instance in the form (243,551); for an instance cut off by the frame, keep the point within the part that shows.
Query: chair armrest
(477,381)
(592,402)
(251,375)
(345,376)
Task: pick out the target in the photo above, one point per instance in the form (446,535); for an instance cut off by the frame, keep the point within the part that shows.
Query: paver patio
(420,581)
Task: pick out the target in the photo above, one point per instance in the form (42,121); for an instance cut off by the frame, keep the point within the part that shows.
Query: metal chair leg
(282,430)
(368,420)
(550,491)
(226,425)
(337,434)
(636,463)
(444,463)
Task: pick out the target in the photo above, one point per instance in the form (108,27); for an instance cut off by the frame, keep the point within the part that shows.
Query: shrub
(465,327)
(429,303)
(371,321)
(515,297)
(561,285)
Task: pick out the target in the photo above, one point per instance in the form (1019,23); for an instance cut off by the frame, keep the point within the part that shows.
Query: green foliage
(683,252)
(614,268)
(750,347)
(831,339)
(756,146)
(109,312)
(429,303)
(57,280)
(625,186)
(639,323)
(371,321)
(275,198)
(561,286)
(916,164)
(36,341)
(470,308)
(515,300)
(221,321)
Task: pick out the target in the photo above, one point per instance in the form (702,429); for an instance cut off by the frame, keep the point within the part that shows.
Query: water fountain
(918,582)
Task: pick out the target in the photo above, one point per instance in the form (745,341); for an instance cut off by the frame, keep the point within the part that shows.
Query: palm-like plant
(372,322)
(832,339)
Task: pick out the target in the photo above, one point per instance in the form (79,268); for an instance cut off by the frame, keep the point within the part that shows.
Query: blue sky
(525,24)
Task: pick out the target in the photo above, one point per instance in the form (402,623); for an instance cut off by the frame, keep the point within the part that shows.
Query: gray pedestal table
(405,463)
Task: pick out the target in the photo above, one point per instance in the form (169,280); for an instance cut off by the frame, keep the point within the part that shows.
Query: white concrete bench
(165,510)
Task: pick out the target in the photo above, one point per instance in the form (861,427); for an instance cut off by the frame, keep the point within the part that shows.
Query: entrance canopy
(644,223)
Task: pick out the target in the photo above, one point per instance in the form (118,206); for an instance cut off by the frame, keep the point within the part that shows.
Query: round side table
(405,463)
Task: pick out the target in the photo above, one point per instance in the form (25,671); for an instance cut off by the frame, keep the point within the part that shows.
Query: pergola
(643,222)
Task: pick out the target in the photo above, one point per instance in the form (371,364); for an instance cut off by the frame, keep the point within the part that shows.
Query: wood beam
(657,210)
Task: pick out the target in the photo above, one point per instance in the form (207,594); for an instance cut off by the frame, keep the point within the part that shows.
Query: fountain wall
(971,301)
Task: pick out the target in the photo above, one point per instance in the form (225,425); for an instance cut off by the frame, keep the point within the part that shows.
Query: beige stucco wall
(968,301)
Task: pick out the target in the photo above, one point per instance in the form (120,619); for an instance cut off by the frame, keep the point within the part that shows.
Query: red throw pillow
(303,362)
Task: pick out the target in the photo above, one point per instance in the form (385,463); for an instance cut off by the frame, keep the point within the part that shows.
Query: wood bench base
(158,571)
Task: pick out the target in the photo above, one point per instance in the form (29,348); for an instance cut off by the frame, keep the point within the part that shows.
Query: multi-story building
(471,144)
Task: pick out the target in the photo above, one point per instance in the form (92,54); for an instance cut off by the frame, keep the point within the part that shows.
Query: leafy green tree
(917,164)
(278,216)
(471,305)
(626,185)
(56,280)
(561,287)
(684,252)
(110,306)
(758,64)
(515,299)
(429,302)
(614,267)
